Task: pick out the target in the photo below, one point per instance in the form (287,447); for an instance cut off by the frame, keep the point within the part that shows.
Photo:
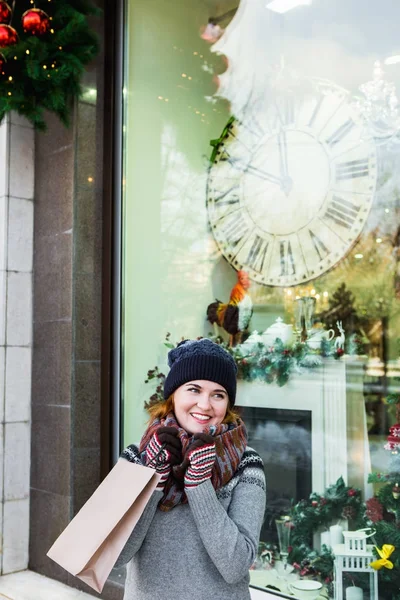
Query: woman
(198,536)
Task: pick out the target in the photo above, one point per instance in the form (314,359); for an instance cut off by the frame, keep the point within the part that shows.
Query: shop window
(264,137)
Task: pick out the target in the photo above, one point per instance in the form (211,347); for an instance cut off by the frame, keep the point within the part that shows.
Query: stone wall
(68,447)
(16,240)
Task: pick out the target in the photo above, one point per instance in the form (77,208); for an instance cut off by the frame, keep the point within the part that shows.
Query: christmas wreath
(44,47)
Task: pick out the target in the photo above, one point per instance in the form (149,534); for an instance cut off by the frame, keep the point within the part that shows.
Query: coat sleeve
(138,535)
(231,537)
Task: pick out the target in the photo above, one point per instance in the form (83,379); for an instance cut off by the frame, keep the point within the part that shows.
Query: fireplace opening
(283,440)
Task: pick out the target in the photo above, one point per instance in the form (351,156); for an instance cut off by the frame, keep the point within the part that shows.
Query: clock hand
(265,175)
(283,153)
(286,181)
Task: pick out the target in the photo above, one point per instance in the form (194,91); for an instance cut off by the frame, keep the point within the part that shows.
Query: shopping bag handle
(160,460)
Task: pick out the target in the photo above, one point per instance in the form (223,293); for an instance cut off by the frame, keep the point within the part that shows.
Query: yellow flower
(387,550)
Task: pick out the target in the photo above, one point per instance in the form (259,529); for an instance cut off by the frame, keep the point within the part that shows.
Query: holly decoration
(5,12)
(309,516)
(374,510)
(338,502)
(35,21)
(310,563)
(46,48)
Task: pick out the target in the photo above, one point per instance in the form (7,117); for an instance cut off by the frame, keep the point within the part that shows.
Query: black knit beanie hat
(200,359)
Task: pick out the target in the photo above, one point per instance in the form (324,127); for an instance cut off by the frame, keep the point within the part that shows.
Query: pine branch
(44,73)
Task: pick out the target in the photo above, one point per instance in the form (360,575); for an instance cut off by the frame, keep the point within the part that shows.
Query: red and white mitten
(200,459)
(163,451)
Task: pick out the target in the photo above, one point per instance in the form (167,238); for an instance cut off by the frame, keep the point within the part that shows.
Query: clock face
(291,185)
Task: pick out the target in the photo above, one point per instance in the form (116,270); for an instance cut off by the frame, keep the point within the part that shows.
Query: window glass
(262,145)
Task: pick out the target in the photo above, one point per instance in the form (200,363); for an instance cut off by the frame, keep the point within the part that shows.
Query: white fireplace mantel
(322,391)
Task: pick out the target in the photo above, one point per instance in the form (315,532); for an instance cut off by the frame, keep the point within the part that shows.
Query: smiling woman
(210,501)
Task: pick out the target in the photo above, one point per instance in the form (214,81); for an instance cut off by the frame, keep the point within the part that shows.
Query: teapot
(252,341)
(280,330)
(315,337)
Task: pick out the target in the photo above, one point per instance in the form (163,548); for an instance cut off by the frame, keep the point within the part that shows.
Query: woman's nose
(204,402)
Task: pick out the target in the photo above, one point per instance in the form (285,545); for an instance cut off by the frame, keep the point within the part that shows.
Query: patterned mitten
(199,459)
(163,451)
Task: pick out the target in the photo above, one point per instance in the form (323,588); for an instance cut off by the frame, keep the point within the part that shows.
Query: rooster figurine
(235,316)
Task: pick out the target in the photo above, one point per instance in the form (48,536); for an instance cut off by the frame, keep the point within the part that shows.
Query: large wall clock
(291,185)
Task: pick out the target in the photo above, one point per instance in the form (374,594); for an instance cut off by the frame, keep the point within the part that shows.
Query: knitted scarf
(230,443)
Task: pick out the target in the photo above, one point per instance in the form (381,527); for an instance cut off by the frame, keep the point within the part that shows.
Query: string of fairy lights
(34,21)
(186,79)
(45,46)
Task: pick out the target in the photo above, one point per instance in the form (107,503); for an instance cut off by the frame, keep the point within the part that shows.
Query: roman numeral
(224,155)
(286,259)
(229,130)
(340,133)
(352,169)
(257,254)
(342,212)
(235,229)
(316,111)
(288,110)
(319,246)
(223,199)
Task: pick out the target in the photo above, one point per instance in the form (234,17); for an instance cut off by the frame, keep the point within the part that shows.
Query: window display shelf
(261,578)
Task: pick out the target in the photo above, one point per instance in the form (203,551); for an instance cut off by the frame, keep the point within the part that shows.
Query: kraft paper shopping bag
(90,545)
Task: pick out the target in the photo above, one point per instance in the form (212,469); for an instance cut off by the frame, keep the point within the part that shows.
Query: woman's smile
(200,417)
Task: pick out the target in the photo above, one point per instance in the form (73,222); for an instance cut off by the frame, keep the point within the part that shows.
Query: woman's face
(199,404)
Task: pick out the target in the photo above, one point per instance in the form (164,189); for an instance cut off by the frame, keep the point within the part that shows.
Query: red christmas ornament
(5,12)
(314,503)
(8,36)
(35,21)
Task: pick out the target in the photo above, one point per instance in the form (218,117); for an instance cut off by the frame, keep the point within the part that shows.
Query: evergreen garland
(260,362)
(279,362)
(44,72)
(338,502)
(320,511)
(311,563)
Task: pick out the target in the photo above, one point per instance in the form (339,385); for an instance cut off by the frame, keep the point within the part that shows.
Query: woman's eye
(193,390)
